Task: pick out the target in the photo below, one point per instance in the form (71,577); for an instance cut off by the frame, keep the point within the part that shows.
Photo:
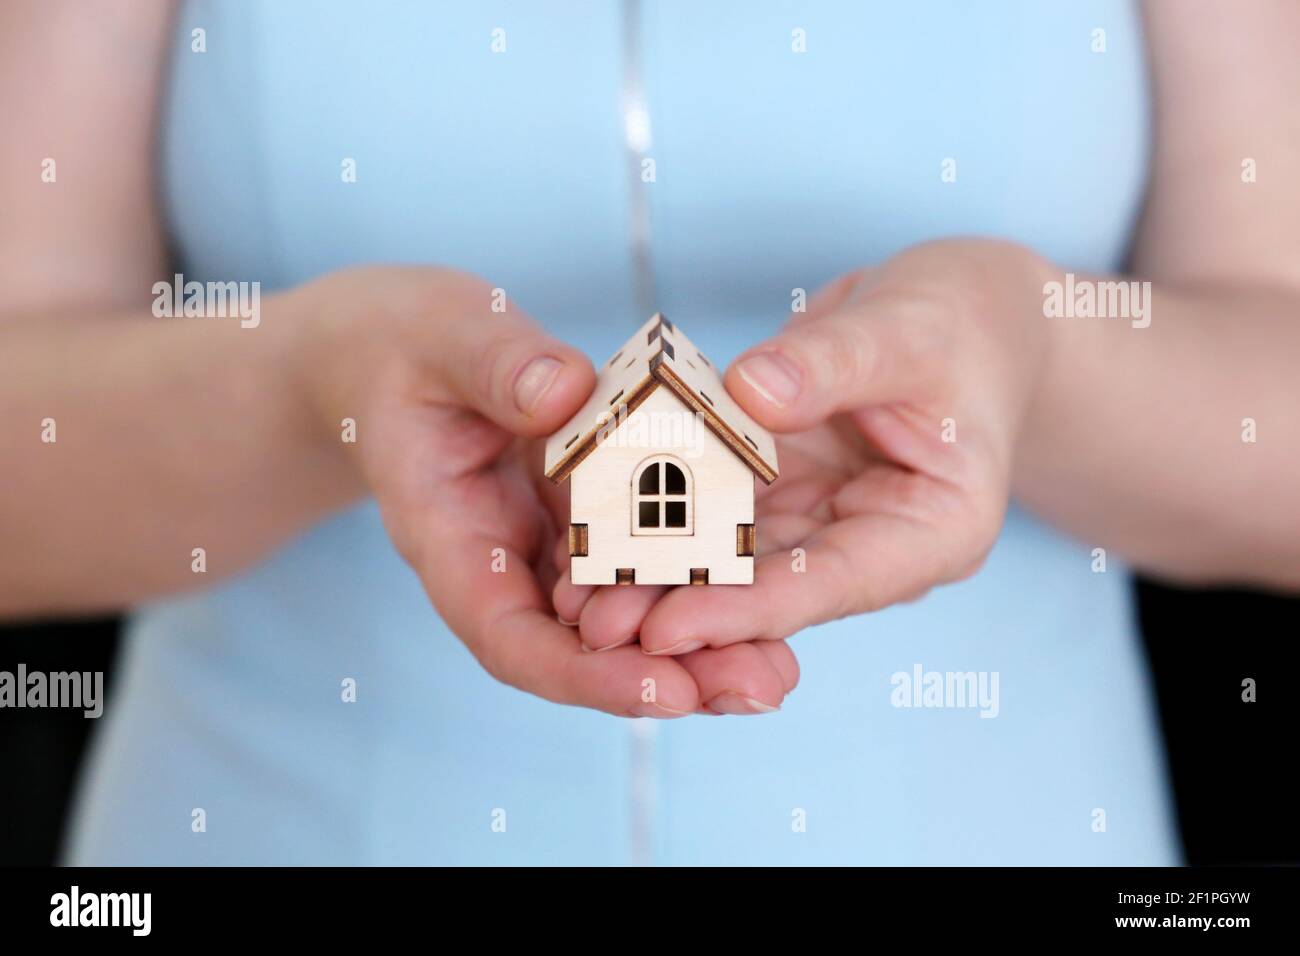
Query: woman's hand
(898,399)
(451,401)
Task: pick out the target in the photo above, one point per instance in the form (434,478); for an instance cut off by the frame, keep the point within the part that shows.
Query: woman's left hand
(898,400)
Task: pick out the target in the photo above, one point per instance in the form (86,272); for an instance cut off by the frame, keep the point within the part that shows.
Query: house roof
(659,354)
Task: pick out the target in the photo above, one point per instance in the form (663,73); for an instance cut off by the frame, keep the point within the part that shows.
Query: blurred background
(1231,764)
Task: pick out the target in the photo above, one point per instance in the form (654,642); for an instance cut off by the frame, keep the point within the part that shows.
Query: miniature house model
(661,466)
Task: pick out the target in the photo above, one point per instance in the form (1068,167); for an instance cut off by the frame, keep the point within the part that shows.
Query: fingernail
(730,702)
(773,376)
(534,380)
(652,709)
(566,623)
(681,647)
(609,647)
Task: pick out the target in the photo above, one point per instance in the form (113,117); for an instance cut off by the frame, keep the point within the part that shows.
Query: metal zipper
(636,139)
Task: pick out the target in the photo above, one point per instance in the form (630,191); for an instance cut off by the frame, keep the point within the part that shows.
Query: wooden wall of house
(601,497)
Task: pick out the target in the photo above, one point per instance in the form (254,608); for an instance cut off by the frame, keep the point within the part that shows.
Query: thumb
(867,352)
(506,367)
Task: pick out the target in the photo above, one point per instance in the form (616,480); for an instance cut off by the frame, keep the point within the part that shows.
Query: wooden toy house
(661,465)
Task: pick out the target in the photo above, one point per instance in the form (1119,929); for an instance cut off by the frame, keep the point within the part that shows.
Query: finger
(860,563)
(505,621)
(503,364)
(783,659)
(875,348)
(569,599)
(779,603)
(612,616)
(830,296)
(548,579)
(805,504)
(561,555)
(739,679)
(781,533)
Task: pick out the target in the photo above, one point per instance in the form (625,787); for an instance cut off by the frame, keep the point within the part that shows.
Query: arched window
(662,497)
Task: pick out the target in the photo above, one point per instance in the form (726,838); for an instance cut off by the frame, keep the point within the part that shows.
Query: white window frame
(657,461)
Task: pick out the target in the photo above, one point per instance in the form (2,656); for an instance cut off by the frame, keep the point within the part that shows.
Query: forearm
(1137,440)
(168,435)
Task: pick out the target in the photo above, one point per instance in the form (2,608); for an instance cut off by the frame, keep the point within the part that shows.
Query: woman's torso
(774,170)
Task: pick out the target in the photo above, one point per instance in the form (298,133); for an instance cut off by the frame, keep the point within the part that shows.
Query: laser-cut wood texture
(660,399)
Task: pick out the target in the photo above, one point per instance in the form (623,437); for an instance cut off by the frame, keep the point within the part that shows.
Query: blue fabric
(774,170)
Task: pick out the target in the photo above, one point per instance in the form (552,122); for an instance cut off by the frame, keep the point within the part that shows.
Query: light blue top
(775,170)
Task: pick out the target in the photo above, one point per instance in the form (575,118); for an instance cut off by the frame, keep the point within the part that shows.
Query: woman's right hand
(451,401)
